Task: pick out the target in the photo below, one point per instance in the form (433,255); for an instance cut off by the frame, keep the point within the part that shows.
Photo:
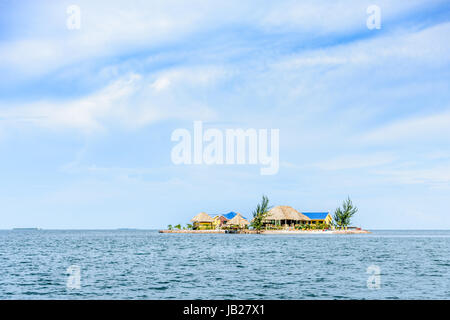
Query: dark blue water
(149,265)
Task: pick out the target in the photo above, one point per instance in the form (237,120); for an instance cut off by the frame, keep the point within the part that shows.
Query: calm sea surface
(148,265)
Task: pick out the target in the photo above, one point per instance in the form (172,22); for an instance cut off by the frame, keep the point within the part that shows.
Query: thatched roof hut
(238,220)
(285,213)
(202,217)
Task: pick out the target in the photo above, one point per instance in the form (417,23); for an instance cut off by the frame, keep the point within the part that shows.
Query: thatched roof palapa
(202,217)
(285,213)
(238,220)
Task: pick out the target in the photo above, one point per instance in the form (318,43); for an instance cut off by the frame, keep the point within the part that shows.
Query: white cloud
(322,16)
(111,27)
(127,102)
(85,113)
(425,128)
(108,29)
(425,46)
(196,77)
(356,161)
(160,84)
(436,176)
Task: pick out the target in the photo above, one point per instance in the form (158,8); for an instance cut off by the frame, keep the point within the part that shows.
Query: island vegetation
(342,216)
(260,214)
(266,219)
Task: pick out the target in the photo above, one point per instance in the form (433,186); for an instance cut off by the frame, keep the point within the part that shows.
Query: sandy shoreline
(287,232)
(192,231)
(315,232)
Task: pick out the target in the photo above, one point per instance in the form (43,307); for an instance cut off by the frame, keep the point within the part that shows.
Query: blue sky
(86,115)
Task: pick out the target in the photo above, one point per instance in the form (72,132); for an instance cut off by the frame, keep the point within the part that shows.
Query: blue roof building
(231,215)
(316,215)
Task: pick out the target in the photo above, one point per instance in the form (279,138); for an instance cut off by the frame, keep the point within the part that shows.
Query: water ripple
(148,265)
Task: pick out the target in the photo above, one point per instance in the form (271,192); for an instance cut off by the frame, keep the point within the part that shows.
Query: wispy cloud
(130,102)
(421,128)
(436,177)
(360,111)
(111,28)
(356,161)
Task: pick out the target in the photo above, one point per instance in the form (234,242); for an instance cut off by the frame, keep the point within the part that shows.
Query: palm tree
(343,216)
(169,227)
(189,226)
(260,213)
(178,226)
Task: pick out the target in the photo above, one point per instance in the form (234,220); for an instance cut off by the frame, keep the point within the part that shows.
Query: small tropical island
(274,220)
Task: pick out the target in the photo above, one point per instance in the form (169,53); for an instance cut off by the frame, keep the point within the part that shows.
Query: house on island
(285,216)
(280,216)
(238,221)
(318,217)
(202,221)
(230,215)
(219,221)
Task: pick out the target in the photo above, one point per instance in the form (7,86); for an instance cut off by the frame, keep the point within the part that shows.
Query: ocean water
(132,264)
